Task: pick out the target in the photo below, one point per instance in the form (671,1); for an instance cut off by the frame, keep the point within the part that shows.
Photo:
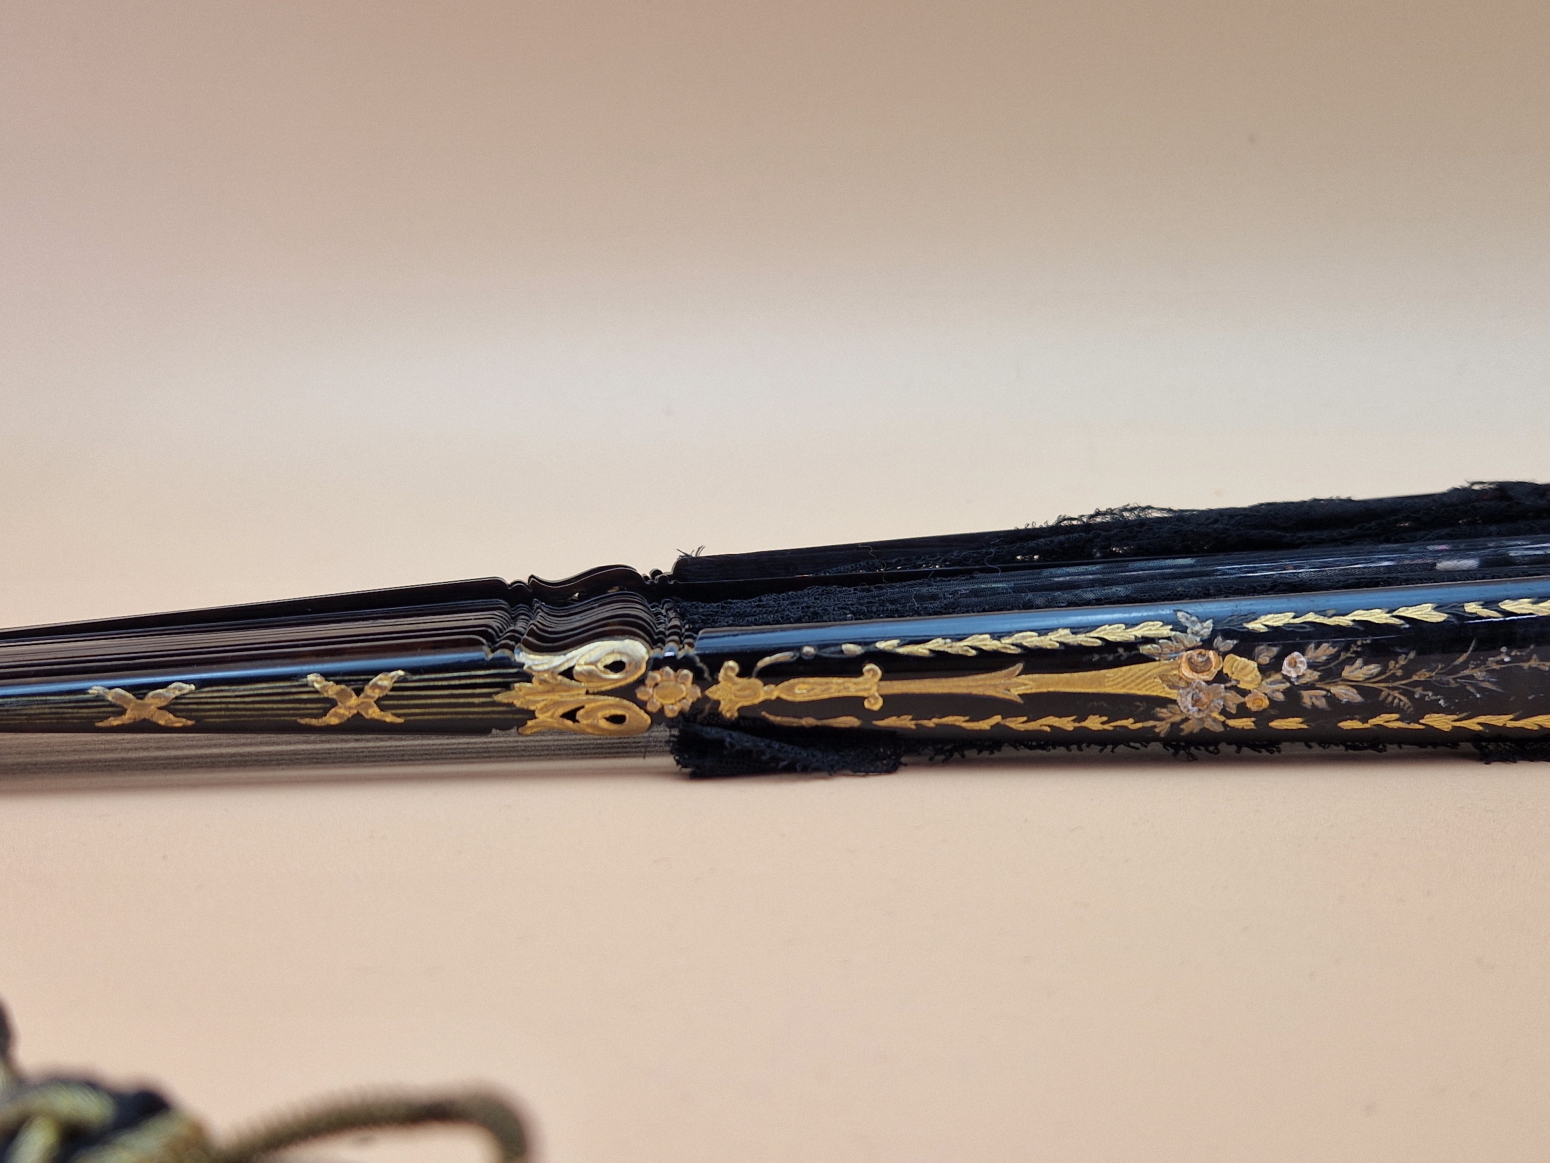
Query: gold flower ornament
(669,691)
(1199,664)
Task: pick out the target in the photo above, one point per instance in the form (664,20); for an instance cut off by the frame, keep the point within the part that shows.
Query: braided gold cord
(170,1137)
(70,1106)
(40,1118)
(485,1111)
(37,1141)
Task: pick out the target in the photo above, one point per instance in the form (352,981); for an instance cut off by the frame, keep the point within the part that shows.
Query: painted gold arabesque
(733,692)
(1183,673)
(574,703)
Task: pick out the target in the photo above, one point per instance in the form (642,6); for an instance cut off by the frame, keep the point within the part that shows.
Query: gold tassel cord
(377,1112)
(72,1121)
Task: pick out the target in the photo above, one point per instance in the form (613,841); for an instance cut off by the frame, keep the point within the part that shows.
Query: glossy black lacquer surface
(1415,620)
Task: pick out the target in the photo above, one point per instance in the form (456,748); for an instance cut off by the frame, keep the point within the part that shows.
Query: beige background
(306,297)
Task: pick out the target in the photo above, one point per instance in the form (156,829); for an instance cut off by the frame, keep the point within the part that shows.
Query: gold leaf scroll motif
(1021,723)
(1028,640)
(809,721)
(573,704)
(1393,722)
(733,692)
(150,709)
(1427,612)
(348,704)
(1526,606)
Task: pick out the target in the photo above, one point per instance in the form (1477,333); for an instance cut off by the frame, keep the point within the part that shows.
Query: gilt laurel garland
(1118,632)
(617,687)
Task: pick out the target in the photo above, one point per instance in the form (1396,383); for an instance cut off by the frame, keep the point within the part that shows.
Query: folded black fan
(1414,620)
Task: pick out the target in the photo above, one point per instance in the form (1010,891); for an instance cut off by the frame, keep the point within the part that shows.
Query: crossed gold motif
(149,708)
(351,704)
